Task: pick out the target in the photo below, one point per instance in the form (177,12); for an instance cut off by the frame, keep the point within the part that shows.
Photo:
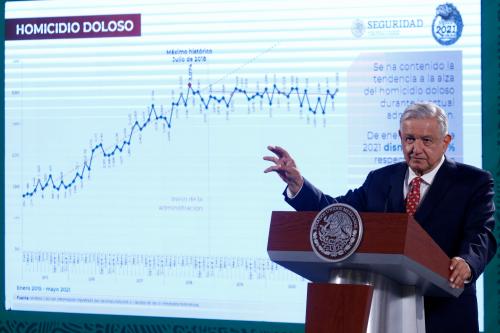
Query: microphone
(386,203)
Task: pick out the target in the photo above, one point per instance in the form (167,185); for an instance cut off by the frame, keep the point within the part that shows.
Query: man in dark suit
(453,202)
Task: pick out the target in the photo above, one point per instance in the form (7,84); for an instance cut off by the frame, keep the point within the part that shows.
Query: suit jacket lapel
(441,184)
(397,200)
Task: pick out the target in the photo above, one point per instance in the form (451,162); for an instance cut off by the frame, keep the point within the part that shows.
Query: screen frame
(24,320)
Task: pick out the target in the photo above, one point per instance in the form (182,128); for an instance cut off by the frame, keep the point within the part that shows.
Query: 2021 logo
(447,25)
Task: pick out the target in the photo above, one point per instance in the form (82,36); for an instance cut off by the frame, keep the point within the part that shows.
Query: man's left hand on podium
(460,272)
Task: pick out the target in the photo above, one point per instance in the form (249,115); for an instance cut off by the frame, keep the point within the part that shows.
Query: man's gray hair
(424,111)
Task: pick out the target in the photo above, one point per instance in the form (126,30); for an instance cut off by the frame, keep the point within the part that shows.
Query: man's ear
(446,140)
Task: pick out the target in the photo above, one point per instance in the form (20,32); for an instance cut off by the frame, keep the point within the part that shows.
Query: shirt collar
(428,177)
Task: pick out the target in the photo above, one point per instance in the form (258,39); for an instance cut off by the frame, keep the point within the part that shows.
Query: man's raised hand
(285,167)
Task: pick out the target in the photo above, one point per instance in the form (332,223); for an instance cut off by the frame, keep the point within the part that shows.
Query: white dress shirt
(427,180)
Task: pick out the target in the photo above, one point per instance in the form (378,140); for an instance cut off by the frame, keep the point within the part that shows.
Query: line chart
(313,105)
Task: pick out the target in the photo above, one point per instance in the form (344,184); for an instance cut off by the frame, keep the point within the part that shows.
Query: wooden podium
(379,288)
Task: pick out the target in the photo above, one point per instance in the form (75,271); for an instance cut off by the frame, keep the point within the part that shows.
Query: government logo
(336,232)
(358,28)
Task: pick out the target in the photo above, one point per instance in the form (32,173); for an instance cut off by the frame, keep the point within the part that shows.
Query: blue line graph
(313,106)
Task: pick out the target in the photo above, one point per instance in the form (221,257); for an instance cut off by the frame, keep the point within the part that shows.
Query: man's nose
(417,146)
